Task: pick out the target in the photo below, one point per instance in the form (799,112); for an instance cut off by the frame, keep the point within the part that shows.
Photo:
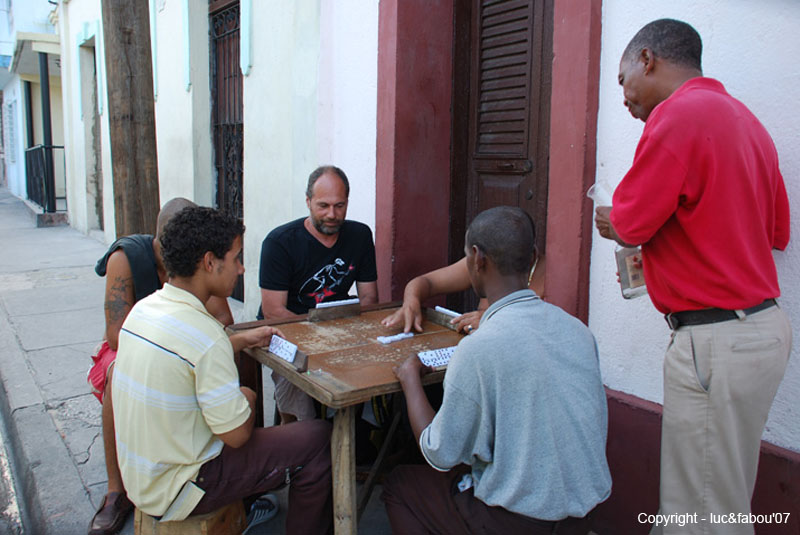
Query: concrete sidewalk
(51,318)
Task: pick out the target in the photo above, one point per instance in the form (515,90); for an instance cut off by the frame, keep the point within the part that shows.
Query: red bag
(99,370)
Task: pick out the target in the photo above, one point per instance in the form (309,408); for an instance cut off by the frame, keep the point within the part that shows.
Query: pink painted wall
(573,133)
(413,148)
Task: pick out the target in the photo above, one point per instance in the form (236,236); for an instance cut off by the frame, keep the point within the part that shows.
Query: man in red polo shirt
(706,201)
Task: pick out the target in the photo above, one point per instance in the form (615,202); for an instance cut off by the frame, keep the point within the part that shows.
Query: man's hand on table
(468,322)
(258,337)
(409,315)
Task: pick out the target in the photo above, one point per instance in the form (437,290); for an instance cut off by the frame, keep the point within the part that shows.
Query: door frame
(464,113)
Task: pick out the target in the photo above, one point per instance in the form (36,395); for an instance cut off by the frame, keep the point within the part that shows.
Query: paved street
(51,318)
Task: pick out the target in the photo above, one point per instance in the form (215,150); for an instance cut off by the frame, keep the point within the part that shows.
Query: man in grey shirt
(518,445)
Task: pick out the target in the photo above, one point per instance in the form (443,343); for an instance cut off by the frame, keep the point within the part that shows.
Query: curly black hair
(191,233)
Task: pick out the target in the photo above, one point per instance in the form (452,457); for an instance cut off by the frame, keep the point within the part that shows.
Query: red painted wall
(413,153)
(573,135)
(634,450)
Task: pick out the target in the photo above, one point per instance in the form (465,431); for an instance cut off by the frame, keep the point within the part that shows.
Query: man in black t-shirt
(313,260)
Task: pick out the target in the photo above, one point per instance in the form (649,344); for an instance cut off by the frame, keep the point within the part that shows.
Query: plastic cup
(600,194)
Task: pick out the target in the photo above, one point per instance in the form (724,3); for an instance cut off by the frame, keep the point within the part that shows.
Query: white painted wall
(80,23)
(183,113)
(31,16)
(750,47)
(310,99)
(56,112)
(280,125)
(14,99)
(348,98)
(6,31)
(22,16)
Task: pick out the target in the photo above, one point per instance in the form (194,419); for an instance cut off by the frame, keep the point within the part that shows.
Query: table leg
(343,459)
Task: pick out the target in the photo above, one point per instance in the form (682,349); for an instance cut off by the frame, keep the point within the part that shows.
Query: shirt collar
(701,82)
(173,293)
(507,300)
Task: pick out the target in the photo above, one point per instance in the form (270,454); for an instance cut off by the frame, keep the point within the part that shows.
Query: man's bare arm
(452,278)
(119,296)
(367,292)
(273,305)
(218,307)
(238,437)
(420,411)
(258,337)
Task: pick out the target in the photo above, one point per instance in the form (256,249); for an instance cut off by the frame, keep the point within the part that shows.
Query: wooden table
(346,366)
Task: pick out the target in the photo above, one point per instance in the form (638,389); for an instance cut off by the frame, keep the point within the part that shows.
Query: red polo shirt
(706,200)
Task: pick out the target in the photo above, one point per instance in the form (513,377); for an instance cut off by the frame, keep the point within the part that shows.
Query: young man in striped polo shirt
(185,437)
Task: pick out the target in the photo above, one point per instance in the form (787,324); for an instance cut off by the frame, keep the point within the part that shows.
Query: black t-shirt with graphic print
(293,260)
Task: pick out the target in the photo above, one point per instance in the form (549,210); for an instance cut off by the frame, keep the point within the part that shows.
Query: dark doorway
(501,120)
(226,110)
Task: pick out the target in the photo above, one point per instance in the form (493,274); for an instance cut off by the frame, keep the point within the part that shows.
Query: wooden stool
(228,520)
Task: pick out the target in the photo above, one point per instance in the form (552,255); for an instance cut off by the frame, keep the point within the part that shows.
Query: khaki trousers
(291,400)
(719,382)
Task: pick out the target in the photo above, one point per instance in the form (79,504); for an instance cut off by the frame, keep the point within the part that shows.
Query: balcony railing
(44,169)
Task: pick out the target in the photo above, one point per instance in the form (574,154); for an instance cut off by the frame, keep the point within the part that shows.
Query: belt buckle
(672,321)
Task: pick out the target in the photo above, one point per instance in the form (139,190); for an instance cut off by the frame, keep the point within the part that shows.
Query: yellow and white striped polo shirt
(175,386)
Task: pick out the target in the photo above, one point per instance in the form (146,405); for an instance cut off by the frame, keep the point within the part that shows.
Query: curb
(37,462)
(10,471)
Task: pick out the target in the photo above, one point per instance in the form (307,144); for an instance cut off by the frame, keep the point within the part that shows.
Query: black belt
(711,315)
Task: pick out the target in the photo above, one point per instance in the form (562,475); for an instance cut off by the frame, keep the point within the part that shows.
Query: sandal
(263,510)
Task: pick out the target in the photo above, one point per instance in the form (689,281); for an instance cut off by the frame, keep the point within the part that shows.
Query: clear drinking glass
(629,259)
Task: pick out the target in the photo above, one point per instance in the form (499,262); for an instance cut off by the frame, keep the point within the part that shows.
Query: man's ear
(648,60)
(480,258)
(208,261)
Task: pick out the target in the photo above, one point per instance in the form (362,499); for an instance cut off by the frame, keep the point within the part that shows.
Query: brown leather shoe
(111,515)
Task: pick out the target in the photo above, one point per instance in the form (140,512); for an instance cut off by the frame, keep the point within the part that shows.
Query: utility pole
(131,107)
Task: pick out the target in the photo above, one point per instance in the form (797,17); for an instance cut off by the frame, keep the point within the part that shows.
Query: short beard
(329,231)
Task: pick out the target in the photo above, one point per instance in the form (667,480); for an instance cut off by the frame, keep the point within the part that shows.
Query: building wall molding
(246,36)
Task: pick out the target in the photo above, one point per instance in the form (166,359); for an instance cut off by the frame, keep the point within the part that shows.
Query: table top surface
(346,363)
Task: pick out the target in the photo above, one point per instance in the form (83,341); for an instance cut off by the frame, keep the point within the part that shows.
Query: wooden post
(126,36)
(343,460)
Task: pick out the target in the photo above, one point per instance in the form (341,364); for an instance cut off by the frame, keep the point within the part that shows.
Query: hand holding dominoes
(437,358)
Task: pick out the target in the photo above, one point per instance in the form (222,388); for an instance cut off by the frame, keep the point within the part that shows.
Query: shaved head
(170,208)
(507,236)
